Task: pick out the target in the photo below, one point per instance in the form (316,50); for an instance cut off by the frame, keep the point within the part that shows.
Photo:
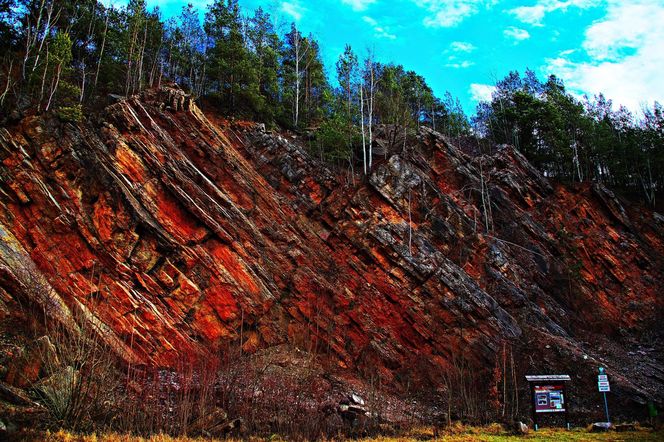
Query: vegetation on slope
(66,56)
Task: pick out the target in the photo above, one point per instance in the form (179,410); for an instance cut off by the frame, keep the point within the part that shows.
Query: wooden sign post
(548,396)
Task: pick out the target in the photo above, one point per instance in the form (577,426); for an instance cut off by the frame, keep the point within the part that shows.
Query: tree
(137,27)
(369,77)
(231,65)
(294,56)
(305,84)
(267,46)
(347,72)
(186,50)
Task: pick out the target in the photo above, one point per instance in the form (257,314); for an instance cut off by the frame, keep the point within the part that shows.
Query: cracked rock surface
(199,232)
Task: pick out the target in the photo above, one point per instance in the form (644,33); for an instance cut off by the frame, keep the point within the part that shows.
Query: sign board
(603,383)
(549,398)
(602,378)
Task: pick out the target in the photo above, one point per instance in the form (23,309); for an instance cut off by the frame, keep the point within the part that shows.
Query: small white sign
(603,378)
(604,388)
(602,384)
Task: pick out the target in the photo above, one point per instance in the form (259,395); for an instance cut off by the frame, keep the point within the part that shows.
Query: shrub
(70,114)
(80,381)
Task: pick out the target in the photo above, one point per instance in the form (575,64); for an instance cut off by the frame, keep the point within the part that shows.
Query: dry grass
(496,433)
(456,433)
(65,436)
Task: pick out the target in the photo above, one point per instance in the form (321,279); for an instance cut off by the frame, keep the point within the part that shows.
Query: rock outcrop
(175,233)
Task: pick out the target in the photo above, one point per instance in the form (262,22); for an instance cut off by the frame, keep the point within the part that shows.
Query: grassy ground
(465,434)
(495,433)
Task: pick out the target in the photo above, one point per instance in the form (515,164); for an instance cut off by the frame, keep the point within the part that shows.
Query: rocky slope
(176,233)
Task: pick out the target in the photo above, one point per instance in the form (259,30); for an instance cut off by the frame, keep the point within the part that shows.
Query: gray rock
(599,427)
(357,399)
(521,428)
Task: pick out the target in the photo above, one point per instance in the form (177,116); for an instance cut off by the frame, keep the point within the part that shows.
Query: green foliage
(266,46)
(231,65)
(79,51)
(337,138)
(576,141)
(347,75)
(305,85)
(71,114)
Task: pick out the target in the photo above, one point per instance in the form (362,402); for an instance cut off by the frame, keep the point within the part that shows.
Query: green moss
(70,114)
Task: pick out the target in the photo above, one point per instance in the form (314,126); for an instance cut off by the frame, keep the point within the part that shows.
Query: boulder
(599,427)
(207,422)
(520,428)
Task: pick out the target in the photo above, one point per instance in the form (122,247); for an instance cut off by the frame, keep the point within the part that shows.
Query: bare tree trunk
(364,147)
(46,31)
(410,227)
(155,63)
(80,98)
(140,60)
(101,50)
(297,79)
(43,82)
(54,87)
(9,79)
(371,104)
(433,117)
(130,59)
(299,56)
(30,37)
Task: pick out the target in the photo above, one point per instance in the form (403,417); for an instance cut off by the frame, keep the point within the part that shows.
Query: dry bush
(80,379)
(284,396)
(172,401)
(481,396)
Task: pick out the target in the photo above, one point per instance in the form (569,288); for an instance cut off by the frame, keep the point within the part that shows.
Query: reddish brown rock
(198,234)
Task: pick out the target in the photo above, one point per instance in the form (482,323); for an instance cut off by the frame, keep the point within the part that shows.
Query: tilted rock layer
(176,234)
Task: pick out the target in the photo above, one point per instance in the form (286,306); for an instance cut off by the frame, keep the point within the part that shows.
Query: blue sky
(464,46)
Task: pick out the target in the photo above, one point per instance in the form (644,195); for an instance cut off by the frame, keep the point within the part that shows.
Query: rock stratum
(177,233)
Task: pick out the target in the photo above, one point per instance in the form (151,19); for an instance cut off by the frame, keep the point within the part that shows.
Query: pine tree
(266,46)
(347,76)
(231,65)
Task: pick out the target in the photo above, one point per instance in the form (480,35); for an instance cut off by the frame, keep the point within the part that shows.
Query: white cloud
(534,14)
(626,56)
(462,46)
(380,31)
(358,5)
(460,64)
(449,13)
(516,34)
(456,50)
(481,92)
(294,9)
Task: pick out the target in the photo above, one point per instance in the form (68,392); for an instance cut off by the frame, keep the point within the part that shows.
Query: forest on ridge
(64,57)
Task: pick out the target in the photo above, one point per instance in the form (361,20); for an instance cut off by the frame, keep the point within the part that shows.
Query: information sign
(549,399)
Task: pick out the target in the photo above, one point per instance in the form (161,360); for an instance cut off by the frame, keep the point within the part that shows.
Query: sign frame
(549,396)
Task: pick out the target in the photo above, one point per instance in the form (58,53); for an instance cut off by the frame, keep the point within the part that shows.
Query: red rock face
(181,235)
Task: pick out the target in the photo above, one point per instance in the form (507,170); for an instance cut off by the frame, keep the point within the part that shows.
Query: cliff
(177,233)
